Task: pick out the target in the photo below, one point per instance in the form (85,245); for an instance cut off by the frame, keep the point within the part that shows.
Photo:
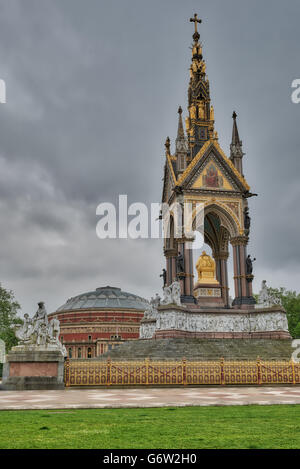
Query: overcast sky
(93,89)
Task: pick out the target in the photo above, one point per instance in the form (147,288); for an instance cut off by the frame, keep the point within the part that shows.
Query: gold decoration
(187,124)
(193,112)
(201,110)
(171,168)
(206,268)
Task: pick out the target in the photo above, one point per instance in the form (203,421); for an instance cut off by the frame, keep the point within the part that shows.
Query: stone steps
(201,349)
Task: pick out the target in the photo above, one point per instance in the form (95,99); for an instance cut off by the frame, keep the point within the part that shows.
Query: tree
(8,317)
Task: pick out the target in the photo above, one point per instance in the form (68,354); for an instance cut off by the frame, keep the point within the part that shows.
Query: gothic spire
(181,145)
(236,152)
(235,132)
(180,132)
(200,123)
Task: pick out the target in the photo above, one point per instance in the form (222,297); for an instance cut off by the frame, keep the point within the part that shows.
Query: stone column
(243,294)
(188,268)
(170,255)
(173,269)
(187,277)
(222,274)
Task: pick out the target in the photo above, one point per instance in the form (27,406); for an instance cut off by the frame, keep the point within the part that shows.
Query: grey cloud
(93,91)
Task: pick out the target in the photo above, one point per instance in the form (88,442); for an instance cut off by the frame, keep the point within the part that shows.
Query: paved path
(150,397)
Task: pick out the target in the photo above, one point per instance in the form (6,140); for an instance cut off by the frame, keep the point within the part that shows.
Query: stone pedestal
(32,368)
(209,295)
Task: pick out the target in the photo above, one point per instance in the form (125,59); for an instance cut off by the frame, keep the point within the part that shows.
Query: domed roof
(103,298)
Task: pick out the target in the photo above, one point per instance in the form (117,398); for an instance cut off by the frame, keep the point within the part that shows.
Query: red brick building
(95,322)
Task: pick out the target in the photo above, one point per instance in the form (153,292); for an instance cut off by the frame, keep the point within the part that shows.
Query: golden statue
(187,124)
(206,268)
(193,112)
(201,110)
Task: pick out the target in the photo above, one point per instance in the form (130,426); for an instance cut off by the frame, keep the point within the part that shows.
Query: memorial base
(209,295)
(172,321)
(29,368)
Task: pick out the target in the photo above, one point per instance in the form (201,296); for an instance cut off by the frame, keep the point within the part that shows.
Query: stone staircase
(201,349)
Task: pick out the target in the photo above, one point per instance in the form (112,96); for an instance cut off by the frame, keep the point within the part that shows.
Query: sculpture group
(172,294)
(266,297)
(39,332)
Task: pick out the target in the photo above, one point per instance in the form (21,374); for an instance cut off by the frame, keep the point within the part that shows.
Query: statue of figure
(40,317)
(266,297)
(172,294)
(151,310)
(55,329)
(247,220)
(193,112)
(206,268)
(41,338)
(157,300)
(22,331)
(201,110)
(263,297)
(167,299)
(180,264)
(249,265)
(164,276)
(176,293)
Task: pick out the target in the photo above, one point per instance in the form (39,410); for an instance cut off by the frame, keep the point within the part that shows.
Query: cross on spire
(195,20)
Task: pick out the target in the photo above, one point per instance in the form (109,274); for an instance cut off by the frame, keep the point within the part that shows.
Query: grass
(275,426)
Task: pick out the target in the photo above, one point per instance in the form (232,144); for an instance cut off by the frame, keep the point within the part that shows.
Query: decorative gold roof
(236,172)
(193,163)
(169,158)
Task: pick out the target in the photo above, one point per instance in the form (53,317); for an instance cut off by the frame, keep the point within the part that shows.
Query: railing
(177,373)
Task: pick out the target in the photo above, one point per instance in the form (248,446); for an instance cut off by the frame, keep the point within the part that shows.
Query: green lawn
(275,426)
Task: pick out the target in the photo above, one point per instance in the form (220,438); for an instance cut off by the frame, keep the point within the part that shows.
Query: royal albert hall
(95,322)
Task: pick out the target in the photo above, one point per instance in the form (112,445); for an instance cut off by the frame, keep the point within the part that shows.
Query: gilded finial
(195,20)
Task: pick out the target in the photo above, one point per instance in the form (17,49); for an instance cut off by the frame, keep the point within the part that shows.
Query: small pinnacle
(167,145)
(180,110)
(234,115)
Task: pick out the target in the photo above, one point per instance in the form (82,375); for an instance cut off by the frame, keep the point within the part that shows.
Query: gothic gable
(212,170)
(212,176)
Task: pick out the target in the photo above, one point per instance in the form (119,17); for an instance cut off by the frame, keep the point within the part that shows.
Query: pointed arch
(227,218)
